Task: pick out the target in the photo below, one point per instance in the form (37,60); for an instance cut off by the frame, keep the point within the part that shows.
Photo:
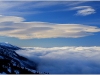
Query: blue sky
(50,23)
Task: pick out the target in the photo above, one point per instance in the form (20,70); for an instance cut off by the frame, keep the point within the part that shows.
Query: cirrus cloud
(13,26)
(84,10)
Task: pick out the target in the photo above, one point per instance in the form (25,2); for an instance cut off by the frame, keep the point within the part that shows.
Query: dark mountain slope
(10,60)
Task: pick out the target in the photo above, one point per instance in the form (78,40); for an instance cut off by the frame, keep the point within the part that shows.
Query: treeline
(11,68)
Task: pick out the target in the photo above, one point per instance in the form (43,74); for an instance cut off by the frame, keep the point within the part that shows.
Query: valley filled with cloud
(61,37)
(65,60)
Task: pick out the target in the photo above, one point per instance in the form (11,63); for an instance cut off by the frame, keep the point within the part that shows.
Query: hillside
(12,63)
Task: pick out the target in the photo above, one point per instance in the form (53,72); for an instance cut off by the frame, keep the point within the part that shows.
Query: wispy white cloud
(65,60)
(16,8)
(84,10)
(75,3)
(23,7)
(13,26)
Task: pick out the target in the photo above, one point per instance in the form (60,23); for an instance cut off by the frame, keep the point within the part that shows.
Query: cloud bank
(84,10)
(65,60)
(13,26)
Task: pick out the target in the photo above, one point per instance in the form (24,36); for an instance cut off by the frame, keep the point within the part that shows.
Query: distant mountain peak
(8,46)
(5,43)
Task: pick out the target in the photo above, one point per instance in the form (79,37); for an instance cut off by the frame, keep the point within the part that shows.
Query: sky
(50,23)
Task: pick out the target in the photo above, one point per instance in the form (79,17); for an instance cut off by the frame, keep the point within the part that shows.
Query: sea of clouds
(65,60)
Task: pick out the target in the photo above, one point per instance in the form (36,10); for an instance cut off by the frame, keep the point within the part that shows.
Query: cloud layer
(65,60)
(13,26)
(84,10)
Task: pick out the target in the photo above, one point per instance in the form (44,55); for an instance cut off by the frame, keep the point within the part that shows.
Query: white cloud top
(65,60)
(14,26)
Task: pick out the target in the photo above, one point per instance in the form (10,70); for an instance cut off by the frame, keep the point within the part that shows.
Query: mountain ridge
(9,57)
